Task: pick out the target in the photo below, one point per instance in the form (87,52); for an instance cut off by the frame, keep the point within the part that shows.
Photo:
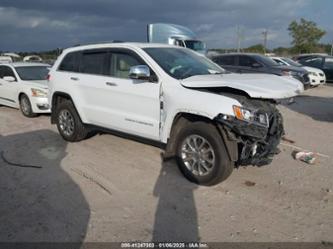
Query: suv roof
(120,44)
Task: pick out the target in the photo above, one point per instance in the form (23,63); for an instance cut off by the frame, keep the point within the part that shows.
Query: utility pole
(265,33)
(332,48)
(238,39)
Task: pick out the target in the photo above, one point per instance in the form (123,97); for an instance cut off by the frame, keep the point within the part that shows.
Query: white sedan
(316,75)
(24,86)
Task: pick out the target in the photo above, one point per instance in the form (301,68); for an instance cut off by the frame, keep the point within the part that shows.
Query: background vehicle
(316,75)
(175,35)
(325,63)
(303,56)
(24,85)
(32,58)
(256,63)
(157,91)
(5,59)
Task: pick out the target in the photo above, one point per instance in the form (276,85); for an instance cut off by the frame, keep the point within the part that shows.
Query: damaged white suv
(209,120)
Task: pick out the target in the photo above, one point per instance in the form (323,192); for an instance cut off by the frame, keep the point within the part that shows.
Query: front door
(8,89)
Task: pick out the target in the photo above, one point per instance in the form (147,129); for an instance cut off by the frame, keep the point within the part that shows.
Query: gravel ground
(108,188)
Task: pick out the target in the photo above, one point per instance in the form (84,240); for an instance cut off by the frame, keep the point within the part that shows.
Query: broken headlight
(251,116)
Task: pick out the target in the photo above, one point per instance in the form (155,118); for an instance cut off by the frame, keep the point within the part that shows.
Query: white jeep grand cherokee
(209,120)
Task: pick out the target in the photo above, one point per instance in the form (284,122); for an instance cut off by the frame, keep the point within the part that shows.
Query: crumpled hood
(255,85)
(37,83)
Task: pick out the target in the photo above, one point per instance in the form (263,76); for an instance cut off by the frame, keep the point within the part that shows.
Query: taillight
(48,77)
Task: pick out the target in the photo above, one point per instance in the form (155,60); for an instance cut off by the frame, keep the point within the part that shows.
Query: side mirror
(139,72)
(256,65)
(9,78)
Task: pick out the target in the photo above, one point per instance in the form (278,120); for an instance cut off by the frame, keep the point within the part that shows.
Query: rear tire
(69,123)
(202,155)
(25,107)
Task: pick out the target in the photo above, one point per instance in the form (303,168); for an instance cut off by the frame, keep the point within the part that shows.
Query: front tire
(202,155)
(69,123)
(25,107)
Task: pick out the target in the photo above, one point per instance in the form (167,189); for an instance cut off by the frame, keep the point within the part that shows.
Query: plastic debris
(308,157)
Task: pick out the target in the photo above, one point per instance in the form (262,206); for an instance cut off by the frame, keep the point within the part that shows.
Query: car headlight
(291,73)
(313,73)
(251,116)
(38,92)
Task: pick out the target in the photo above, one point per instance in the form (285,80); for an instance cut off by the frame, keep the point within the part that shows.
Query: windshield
(181,63)
(195,45)
(292,62)
(32,72)
(267,61)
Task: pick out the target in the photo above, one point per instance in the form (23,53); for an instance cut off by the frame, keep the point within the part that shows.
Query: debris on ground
(308,157)
(249,183)
(288,140)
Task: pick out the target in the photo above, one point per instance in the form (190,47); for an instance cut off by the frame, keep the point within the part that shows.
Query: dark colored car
(323,62)
(256,63)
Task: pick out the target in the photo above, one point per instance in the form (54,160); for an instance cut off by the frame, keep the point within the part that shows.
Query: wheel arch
(58,97)
(19,96)
(181,119)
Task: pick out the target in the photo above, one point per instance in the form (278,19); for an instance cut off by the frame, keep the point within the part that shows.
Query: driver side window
(6,71)
(121,64)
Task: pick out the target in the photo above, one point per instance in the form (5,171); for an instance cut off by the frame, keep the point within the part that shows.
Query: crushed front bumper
(254,145)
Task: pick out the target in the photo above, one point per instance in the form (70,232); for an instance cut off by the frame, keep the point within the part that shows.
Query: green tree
(257,48)
(305,34)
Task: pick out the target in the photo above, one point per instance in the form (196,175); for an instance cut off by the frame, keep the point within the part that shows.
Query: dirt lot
(109,188)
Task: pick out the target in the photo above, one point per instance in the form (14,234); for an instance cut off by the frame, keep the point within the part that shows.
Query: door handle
(111,84)
(0,84)
(74,78)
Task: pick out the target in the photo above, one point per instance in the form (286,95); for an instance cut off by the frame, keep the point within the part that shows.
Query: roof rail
(92,43)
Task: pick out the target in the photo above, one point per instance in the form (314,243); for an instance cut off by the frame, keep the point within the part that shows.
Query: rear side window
(69,63)
(328,63)
(246,61)
(225,60)
(94,62)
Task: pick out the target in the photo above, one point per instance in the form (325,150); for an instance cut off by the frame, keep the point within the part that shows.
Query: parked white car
(316,75)
(23,85)
(208,119)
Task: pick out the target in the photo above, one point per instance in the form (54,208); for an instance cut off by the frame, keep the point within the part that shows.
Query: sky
(39,25)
